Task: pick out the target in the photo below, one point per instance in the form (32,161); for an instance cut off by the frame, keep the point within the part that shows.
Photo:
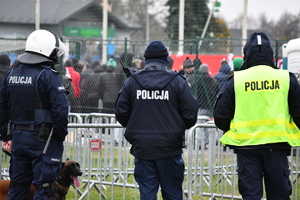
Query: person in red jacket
(75,76)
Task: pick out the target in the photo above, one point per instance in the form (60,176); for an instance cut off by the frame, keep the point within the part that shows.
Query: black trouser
(270,165)
(29,165)
(166,173)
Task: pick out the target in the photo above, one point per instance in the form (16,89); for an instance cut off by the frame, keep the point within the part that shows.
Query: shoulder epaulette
(54,71)
(51,68)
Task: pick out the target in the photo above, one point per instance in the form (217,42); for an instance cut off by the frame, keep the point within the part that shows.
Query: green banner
(87,32)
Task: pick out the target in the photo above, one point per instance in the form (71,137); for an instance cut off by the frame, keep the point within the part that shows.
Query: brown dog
(68,176)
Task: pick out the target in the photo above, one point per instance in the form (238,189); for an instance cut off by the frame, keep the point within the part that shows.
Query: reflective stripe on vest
(261,111)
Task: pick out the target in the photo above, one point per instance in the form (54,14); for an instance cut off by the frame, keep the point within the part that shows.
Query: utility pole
(104,31)
(181,26)
(147,22)
(37,14)
(245,24)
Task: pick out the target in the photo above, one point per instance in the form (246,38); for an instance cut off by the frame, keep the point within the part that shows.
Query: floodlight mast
(37,14)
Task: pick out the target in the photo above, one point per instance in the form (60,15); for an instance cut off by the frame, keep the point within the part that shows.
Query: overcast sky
(231,9)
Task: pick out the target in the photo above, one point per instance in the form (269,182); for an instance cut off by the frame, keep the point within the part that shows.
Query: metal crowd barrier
(96,141)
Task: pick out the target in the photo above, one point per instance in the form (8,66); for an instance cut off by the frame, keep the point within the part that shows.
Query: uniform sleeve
(56,94)
(294,100)
(224,107)
(188,105)
(3,112)
(123,106)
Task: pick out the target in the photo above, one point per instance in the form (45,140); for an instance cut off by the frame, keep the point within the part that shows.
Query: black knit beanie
(156,49)
(188,63)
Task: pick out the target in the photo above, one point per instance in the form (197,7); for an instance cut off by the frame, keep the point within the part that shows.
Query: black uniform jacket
(156,106)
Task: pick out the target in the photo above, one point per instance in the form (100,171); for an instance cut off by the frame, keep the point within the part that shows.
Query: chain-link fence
(95,85)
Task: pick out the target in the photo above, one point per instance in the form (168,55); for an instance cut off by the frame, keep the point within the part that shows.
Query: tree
(195,16)
(135,11)
(221,30)
(266,24)
(287,27)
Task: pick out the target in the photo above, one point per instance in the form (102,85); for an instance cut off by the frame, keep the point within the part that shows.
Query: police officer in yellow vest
(259,109)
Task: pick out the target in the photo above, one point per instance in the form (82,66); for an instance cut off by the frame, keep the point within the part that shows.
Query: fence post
(125,53)
(196,71)
(190,145)
(77,50)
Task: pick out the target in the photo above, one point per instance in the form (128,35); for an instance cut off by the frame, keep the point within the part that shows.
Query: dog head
(70,171)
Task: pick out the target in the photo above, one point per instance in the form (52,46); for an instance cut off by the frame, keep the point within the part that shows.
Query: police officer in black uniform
(156,105)
(32,104)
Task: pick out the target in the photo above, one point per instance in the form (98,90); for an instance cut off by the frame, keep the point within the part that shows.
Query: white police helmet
(42,46)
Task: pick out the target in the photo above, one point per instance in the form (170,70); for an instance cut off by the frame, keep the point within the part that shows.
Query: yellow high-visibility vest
(261,109)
